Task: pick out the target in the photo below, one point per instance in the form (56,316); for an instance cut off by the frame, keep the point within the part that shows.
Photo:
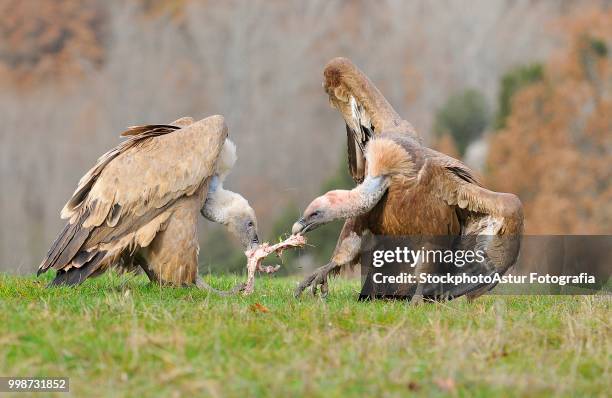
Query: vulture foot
(318,278)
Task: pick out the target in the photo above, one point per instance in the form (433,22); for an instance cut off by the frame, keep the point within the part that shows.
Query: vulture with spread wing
(405,189)
(139,204)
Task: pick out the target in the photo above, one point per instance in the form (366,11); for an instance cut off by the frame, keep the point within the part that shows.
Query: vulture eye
(250,224)
(316,213)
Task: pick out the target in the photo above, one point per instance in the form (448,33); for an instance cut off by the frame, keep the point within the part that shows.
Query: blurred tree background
(464,116)
(512,82)
(528,108)
(554,147)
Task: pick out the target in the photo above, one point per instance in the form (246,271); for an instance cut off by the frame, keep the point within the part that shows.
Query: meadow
(122,336)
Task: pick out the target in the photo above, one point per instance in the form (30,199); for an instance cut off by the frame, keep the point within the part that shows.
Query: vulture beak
(252,246)
(253,243)
(298,227)
(302,225)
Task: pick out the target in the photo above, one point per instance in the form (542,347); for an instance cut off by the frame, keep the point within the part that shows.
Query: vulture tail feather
(67,244)
(76,276)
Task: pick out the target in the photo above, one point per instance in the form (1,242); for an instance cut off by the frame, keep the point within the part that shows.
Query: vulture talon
(318,278)
(324,288)
(303,285)
(318,281)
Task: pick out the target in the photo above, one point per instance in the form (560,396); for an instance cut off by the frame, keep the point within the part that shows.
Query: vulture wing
(490,221)
(365,110)
(120,203)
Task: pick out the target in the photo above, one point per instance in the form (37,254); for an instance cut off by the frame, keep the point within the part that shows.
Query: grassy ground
(118,336)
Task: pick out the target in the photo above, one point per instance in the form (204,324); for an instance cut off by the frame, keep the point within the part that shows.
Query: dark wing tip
(159,128)
(464,174)
(76,276)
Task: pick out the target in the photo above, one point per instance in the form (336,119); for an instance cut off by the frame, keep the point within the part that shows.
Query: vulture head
(241,222)
(364,109)
(230,208)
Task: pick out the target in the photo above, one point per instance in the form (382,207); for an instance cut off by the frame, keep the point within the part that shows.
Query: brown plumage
(141,201)
(405,188)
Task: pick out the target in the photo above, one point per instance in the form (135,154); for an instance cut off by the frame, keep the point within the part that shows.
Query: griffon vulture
(405,189)
(139,204)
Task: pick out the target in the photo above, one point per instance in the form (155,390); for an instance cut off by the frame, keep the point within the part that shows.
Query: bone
(256,256)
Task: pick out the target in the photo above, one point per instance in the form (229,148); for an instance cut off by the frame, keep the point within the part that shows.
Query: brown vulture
(139,205)
(405,189)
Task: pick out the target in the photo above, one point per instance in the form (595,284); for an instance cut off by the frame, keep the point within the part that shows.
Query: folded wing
(490,221)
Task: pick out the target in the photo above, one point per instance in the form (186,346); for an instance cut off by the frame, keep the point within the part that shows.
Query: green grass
(121,336)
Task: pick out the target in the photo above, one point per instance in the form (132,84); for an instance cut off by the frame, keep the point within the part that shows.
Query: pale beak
(254,243)
(298,226)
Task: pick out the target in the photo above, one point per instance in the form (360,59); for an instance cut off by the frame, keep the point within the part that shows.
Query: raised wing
(365,110)
(120,203)
(490,221)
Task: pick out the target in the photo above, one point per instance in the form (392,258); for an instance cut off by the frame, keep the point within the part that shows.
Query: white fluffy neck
(221,204)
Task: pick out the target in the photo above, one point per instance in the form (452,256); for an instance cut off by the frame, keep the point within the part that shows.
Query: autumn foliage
(555,151)
(49,39)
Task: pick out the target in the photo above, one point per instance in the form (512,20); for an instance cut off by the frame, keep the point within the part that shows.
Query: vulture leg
(317,278)
(417,298)
(422,267)
(346,253)
(131,263)
(352,227)
(144,264)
